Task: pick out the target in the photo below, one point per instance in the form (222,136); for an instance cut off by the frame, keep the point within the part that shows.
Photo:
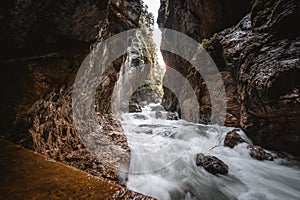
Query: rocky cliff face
(200,20)
(43,45)
(259,62)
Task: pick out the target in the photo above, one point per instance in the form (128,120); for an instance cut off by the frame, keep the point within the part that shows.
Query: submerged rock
(170,134)
(145,130)
(211,164)
(233,138)
(259,153)
(140,116)
(148,131)
(172,116)
(158,108)
(158,115)
(134,107)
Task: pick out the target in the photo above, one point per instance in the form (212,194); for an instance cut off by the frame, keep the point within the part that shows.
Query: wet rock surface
(172,116)
(267,66)
(45,43)
(170,134)
(258,59)
(134,107)
(211,164)
(140,116)
(145,95)
(233,138)
(259,153)
(200,20)
(29,175)
(158,114)
(51,132)
(157,108)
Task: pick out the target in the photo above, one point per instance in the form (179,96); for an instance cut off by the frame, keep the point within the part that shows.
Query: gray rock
(170,134)
(140,116)
(172,116)
(134,107)
(145,130)
(158,115)
(145,96)
(158,108)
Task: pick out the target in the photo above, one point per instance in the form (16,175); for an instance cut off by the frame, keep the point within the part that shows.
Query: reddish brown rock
(259,153)
(211,164)
(233,138)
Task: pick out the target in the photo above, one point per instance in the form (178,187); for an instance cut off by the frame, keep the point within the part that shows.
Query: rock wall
(43,45)
(258,59)
(200,20)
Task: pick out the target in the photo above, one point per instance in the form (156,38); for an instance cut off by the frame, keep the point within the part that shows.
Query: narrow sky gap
(153,7)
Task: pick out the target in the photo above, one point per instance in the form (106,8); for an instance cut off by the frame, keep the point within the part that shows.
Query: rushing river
(163,166)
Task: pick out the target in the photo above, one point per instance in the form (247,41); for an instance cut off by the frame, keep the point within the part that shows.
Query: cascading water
(163,165)
(163,159)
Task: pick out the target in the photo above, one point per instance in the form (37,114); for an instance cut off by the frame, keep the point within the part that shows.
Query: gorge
(255,46)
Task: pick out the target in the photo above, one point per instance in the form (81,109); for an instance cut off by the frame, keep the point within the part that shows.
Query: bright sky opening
(153,7)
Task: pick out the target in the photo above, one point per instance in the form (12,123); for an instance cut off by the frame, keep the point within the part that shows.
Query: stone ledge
(28,175)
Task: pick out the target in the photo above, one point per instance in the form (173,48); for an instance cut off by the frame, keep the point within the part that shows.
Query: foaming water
(163,163)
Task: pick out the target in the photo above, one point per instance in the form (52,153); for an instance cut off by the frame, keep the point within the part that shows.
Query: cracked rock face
(44,44)
(265,61)
(200,20)
(258,59)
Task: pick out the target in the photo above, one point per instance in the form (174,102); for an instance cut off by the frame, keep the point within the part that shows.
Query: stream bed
(163,162)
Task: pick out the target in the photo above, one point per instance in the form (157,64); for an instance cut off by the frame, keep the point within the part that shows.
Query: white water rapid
(163,165)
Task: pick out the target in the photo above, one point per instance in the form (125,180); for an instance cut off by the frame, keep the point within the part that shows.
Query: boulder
(157,108)
(158,115)
(211,164)
(170,134)
(134,107)
(140,117)
(148,131)
(232,139)
(172,116)
(259,153)
(145,95)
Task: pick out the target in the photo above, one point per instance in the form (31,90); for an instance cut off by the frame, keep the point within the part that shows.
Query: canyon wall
(43,44)
(258,58)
